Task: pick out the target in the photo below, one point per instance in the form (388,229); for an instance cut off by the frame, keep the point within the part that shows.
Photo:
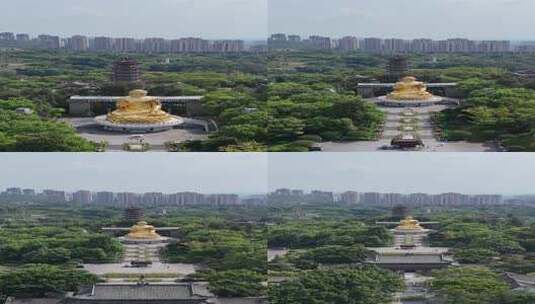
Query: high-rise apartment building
(320,43)
(348,43)
(103,44)
(372,45)
(7,36)
(82,197)
(350,197)
(78,43)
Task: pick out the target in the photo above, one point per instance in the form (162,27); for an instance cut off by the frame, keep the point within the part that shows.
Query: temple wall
(80,109)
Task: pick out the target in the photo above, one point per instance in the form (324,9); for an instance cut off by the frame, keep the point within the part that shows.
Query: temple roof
(153,291)
(396,251)
(521,280)
(239,301)
(33,301)
(410,259)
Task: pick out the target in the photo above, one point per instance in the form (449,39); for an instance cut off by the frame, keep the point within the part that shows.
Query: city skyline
(210,19)
(244,174)
(405,173)
(436,19)
(8,189)
(207,173)
(295,196)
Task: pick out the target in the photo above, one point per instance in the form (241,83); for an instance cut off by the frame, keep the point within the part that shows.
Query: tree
(285,128)
(244,132)
(474,255)
(36,280)
(518,297)
(236,283)
(31,133)
(469,285)
(363,285)
(250,146)
(331,255)
(55,245)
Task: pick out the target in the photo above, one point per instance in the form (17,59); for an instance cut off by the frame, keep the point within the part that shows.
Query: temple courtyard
(157,270)
(422,126)
(141,257)
(88,129)
(408,125)
(137,122)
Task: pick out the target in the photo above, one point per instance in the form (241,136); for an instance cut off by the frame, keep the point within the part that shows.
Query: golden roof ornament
(409,223)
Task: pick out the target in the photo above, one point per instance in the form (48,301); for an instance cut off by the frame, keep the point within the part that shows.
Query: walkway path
(124,271)
(422,126)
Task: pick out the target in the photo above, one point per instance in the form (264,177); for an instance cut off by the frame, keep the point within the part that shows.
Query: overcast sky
(475,19)
(211,19)
(505,173)
(166,172)
(253,19)
(470,173)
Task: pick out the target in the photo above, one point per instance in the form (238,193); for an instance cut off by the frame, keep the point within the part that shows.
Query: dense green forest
(52,240)
(43,244)
(234,86)
(496,103)
(343,286)
(35,132)
(328,242)
(280,101)
(234,255)
(55,245)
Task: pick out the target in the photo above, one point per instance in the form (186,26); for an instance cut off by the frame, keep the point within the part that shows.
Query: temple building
(409,253)
(409,232)
(143,233)
(126,71)
(410,259)
(133,215)
(143,293)
(397,68)
(520,281)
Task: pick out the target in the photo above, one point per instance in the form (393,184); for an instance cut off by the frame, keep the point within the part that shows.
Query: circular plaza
(170,123)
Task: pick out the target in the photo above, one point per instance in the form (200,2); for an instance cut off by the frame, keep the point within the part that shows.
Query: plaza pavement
(87,129)
(424,130)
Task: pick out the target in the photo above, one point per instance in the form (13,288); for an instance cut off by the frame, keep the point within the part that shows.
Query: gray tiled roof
(33,301)
(522,279)
(140,292)
(240,301)
(409,259)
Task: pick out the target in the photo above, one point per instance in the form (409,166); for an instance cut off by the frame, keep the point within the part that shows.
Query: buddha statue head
(138,95)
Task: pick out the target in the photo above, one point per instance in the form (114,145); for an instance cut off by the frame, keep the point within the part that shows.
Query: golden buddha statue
(410,89)
(143,231)
(409,223)
(138,108)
